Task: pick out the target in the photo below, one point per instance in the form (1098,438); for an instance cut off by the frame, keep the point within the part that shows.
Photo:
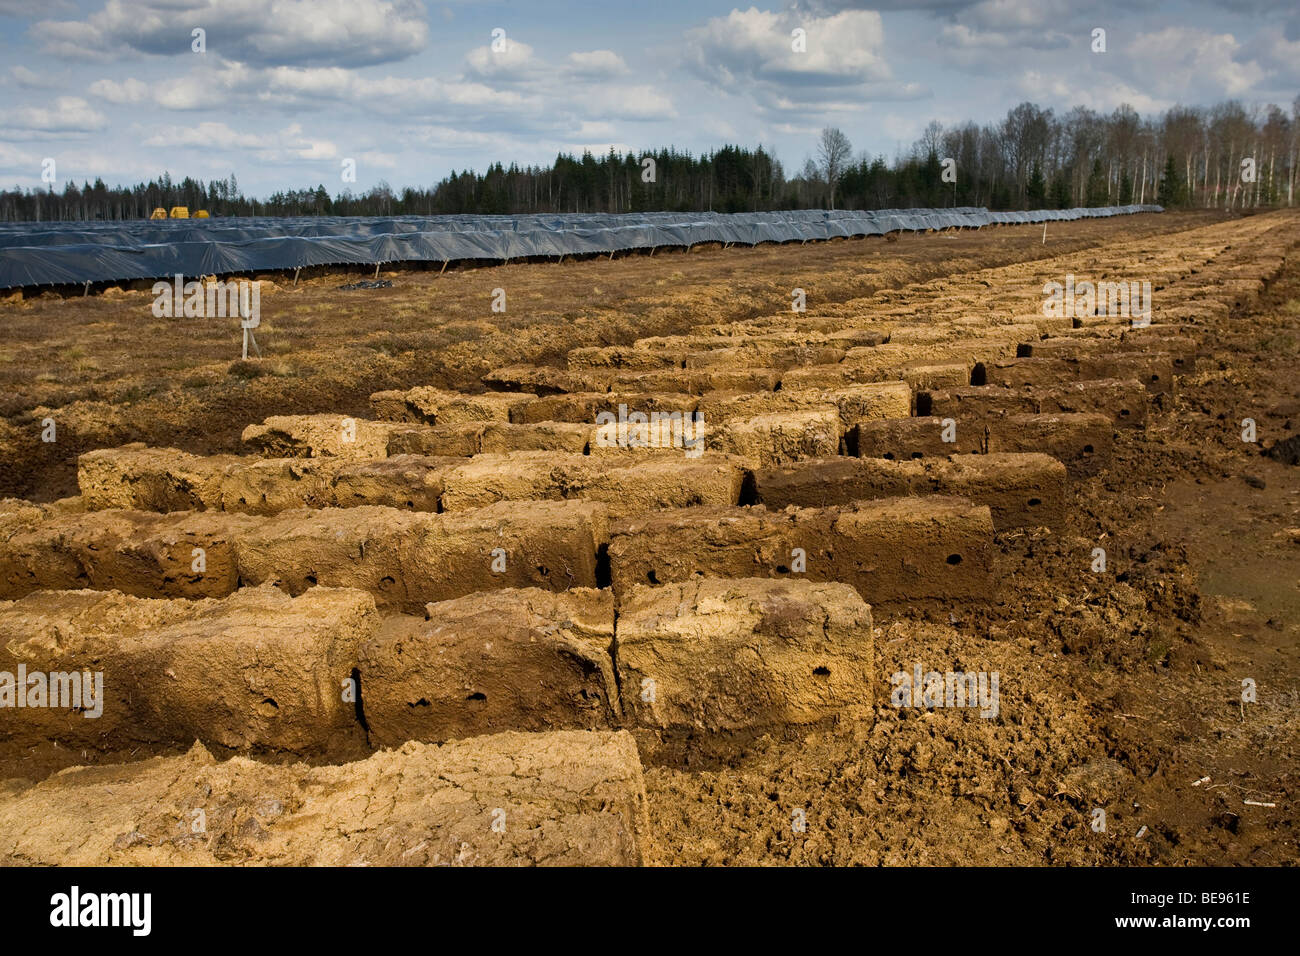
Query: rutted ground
(704,638)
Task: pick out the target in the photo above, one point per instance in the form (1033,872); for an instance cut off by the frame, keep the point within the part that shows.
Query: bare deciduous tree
(835,152)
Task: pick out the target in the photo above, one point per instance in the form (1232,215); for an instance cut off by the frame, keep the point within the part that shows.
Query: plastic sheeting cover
(34,254)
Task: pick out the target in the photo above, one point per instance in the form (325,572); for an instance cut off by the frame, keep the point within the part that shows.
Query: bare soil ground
(116,374)
(1120,691)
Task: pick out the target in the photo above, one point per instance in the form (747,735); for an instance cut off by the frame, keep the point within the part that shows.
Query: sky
(283,92)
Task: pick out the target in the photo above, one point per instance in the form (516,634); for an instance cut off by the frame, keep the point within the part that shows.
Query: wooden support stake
(85,290)
(376,270)
(295,274)
(444,267)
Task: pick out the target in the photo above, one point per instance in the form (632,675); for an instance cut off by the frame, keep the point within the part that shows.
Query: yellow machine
(178,212)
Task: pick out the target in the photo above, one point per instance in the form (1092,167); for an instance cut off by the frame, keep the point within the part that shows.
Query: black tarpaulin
(33,254)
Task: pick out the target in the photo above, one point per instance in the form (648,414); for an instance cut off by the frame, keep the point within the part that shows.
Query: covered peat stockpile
(921,572)
(64,253)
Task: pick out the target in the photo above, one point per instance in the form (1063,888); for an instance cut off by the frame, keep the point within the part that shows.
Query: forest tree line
(1226,156)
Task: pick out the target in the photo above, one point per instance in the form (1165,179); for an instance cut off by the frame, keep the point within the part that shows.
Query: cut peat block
(567,798)
(1020,490)
(895,549)
(722,658)
(518,659)
(255,671)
